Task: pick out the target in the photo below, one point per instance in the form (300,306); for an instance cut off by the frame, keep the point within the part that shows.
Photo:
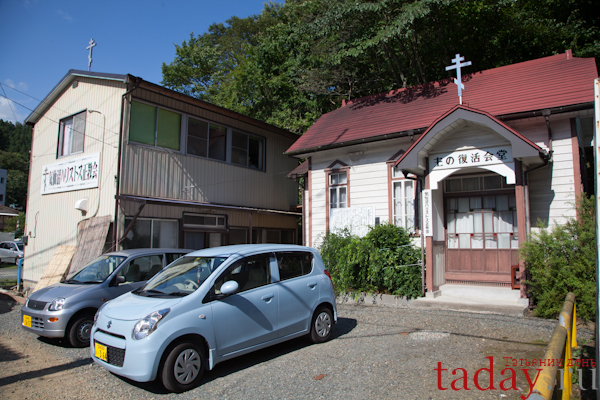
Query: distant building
(5,214)
(119,162)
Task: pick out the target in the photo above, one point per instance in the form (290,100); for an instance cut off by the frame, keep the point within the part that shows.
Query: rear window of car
(293,264)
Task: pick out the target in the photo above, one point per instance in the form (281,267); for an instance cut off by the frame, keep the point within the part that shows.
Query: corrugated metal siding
(156,172)
(52,219)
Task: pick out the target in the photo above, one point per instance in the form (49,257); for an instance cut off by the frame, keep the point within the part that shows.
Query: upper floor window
(154,126)
(338,190)
(247,150)
(71,134)
(207,140)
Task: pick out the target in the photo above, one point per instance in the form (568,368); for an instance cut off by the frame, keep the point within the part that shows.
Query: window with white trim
(403,200)
(71,134)
(338,190)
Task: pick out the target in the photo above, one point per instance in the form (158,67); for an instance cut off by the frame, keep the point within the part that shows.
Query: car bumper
(133,359)
(41,324)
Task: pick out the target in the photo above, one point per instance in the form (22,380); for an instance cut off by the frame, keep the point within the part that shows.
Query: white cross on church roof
(458,80)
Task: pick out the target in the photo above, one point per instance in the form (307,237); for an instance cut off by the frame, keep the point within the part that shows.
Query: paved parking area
(376,352)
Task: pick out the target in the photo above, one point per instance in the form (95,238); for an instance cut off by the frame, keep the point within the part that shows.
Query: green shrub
(564,260)
(384,261)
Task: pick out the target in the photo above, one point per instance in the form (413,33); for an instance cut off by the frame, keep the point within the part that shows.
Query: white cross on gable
(90,47)
(458,80)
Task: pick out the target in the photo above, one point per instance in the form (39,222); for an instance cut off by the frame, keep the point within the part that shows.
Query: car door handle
(267,297)
(312,284)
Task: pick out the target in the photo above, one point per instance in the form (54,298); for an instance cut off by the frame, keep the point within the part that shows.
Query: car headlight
(57,304)
(98,312)
(148,324)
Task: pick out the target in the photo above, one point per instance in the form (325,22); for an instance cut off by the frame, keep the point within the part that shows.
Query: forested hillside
(15,143)
(298,60)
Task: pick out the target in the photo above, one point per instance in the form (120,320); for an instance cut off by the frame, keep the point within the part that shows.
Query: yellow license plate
(27,321)
(100,351)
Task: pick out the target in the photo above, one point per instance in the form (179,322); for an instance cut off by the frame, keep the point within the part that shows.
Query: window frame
(157,108)
(229,147)
(61,135)
(152,223)
(396,177)
(334,168)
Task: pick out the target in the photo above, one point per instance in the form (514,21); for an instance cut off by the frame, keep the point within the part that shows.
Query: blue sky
(41,40)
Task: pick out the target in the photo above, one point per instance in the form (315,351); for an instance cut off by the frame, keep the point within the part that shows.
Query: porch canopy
(465,137)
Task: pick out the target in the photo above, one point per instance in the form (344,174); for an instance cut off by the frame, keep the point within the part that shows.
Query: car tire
(80,329)
(183,368)
(320,327)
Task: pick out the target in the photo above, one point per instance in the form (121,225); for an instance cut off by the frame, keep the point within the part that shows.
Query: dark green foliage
(15,143)
(384,261)
(563,260)
(16,225)
(296,61)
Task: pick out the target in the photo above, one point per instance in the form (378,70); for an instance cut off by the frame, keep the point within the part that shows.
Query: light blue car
(212,305)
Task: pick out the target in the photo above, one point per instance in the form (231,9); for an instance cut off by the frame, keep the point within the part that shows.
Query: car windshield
(20,246)
(98,270)
(181,278)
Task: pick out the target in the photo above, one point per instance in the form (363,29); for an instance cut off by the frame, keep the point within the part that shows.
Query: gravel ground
(376,352)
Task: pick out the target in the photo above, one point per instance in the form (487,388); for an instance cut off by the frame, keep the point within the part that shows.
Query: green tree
(563,260)
(16,224)
(296,61)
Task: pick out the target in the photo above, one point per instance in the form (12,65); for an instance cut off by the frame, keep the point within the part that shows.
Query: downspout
(547,158)
(419,191)
(118,177)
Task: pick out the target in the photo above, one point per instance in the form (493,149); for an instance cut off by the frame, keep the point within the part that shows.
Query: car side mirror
(118,280)
(229,287)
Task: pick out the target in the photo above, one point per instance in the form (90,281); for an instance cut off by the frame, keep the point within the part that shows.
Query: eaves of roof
(557,82)
(47,102)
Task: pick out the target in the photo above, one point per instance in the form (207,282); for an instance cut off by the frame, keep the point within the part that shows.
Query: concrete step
(482,299)
(480,293)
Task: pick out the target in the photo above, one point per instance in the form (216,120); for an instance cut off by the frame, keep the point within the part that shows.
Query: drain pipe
(118,176)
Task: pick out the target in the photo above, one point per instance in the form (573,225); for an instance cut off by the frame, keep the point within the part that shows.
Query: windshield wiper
(177,294)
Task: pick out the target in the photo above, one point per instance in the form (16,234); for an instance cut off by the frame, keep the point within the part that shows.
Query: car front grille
(37,323)
(36,305)
(114,355)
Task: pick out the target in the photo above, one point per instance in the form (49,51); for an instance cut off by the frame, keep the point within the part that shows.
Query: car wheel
(79,331)
(183,367)
(320,328)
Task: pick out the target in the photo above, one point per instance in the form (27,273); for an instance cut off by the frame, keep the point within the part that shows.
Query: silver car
(67,309)
(11,251)
(210,306)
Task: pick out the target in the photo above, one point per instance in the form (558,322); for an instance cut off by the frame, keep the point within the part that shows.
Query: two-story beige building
(119,162)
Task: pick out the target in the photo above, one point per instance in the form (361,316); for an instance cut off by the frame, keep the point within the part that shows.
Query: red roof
(548,82)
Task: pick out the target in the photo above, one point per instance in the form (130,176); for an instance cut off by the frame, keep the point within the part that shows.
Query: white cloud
(65,16)
(6,113)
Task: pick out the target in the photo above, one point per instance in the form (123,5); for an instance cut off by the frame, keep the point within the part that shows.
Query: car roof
(243,249)
(134,252)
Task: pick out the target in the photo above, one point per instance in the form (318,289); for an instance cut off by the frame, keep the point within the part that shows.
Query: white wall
(51,218)
(368,178)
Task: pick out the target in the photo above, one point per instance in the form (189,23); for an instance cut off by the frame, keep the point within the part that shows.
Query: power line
(10,105)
